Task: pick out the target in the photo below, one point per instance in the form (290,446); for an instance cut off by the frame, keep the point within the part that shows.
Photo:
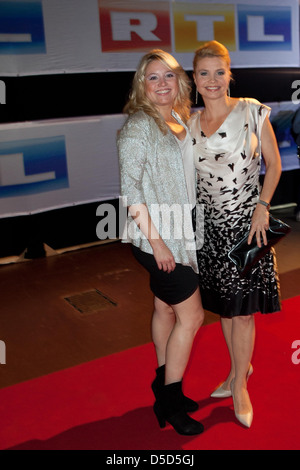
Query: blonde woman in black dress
(157,172)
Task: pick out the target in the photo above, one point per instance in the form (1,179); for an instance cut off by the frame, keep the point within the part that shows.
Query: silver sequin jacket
(152,173)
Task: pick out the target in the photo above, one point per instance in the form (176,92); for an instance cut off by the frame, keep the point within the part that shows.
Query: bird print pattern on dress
(228,168)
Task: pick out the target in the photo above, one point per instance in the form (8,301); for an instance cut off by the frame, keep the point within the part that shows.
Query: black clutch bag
(245,256)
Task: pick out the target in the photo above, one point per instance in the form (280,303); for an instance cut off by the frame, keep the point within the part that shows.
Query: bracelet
(264,203)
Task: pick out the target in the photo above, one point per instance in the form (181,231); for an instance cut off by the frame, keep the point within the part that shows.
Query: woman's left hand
(259,225)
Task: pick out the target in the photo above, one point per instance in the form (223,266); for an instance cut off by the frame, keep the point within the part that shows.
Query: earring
(196,101)
(228,91)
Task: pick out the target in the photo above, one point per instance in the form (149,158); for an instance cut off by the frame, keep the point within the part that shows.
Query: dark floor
(66,309)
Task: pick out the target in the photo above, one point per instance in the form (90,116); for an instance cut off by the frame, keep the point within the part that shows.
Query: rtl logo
(136,26)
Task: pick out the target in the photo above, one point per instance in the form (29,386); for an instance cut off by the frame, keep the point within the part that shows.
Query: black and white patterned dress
(228,167)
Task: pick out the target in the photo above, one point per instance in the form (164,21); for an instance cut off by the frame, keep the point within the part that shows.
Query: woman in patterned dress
(230,134)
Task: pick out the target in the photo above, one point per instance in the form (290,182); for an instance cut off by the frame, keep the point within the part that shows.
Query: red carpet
(107,403)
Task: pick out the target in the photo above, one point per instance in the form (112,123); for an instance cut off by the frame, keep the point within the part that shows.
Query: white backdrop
(68,36)
(52,164)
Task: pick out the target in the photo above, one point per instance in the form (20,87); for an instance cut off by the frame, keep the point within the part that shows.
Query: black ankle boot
(158,384)
(170,408)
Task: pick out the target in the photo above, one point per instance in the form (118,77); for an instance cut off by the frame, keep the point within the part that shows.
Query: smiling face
(161,85)
(212,77)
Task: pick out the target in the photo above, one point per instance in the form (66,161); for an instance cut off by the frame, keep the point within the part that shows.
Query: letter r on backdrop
(134,27)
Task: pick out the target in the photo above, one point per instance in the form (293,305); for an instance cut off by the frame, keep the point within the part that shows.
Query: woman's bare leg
(243,337)
(189,317)
(163,322)
(226,324)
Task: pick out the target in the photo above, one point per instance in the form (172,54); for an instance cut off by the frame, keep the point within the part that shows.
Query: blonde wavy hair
(138,100)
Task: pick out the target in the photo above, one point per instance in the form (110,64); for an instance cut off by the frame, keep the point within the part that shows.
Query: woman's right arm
(161,253)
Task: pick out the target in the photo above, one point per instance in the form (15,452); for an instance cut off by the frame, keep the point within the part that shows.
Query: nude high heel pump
(220,392)
(246,418)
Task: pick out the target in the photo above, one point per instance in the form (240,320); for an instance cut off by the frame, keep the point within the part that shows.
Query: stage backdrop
(58,163)
(51,164)
(68,36)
